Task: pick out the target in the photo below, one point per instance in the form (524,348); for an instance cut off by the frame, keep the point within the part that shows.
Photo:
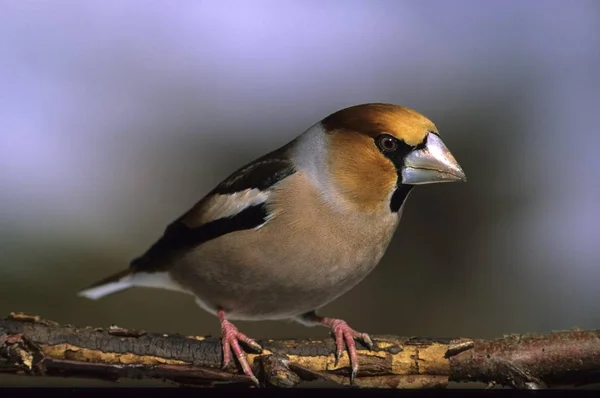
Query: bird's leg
(343,334)
(230,338)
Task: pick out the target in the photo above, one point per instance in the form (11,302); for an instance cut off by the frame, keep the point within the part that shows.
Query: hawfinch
(297,228)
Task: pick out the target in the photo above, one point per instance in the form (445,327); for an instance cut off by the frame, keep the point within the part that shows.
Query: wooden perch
(33,346)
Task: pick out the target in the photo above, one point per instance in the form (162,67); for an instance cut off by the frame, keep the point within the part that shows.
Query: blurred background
(116,117)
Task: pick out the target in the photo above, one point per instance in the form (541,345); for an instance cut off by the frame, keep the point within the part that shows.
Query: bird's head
(377,152)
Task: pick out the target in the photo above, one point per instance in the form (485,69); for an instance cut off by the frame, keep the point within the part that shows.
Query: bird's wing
(237,203)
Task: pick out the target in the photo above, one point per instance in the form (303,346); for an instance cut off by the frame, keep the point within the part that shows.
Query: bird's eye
(387,143)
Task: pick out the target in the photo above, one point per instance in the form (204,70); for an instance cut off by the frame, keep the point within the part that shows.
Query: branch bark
(33,346)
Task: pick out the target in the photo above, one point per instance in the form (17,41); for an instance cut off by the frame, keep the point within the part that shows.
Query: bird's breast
(326,244)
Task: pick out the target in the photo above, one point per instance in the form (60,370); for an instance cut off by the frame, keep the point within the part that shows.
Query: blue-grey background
(117,116)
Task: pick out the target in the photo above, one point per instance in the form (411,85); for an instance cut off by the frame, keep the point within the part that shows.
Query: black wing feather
(260,174)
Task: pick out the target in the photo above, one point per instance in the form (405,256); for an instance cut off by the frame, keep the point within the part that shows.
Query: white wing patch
(228,205)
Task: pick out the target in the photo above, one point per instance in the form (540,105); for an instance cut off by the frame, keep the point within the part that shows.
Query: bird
(297,228)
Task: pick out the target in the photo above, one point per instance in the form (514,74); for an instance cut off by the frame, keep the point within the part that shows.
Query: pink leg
(230,338)
(343,334)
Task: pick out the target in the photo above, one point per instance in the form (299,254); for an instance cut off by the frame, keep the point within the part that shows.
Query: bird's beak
(431,164)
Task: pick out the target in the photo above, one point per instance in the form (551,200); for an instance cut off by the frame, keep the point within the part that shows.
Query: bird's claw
(338,356)
(367,340)
(254,345)
(345,335)
(354,372)
(230,338)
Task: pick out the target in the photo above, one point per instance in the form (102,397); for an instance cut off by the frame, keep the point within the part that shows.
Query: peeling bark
(33,346)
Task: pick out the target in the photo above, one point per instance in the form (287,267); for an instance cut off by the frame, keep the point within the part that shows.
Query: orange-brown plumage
(374,119)
(363,176)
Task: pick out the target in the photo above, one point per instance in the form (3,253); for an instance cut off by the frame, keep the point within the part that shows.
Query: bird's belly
(259,282)
(271,295)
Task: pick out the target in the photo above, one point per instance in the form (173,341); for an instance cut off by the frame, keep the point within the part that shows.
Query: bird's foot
(344,334)
(230,338)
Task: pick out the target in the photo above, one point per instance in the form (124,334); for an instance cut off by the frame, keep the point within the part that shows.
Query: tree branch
(33,346)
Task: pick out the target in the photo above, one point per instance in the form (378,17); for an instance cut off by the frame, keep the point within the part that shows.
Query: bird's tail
(114,283)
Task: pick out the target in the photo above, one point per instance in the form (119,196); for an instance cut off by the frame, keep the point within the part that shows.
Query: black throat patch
(399,196)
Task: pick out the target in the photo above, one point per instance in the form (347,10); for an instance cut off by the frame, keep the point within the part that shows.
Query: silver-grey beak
(432,164)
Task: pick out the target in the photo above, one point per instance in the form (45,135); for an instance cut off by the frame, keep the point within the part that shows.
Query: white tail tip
(161,280)
(97,292)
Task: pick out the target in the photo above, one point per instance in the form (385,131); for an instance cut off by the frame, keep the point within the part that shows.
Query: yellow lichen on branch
(70,352)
